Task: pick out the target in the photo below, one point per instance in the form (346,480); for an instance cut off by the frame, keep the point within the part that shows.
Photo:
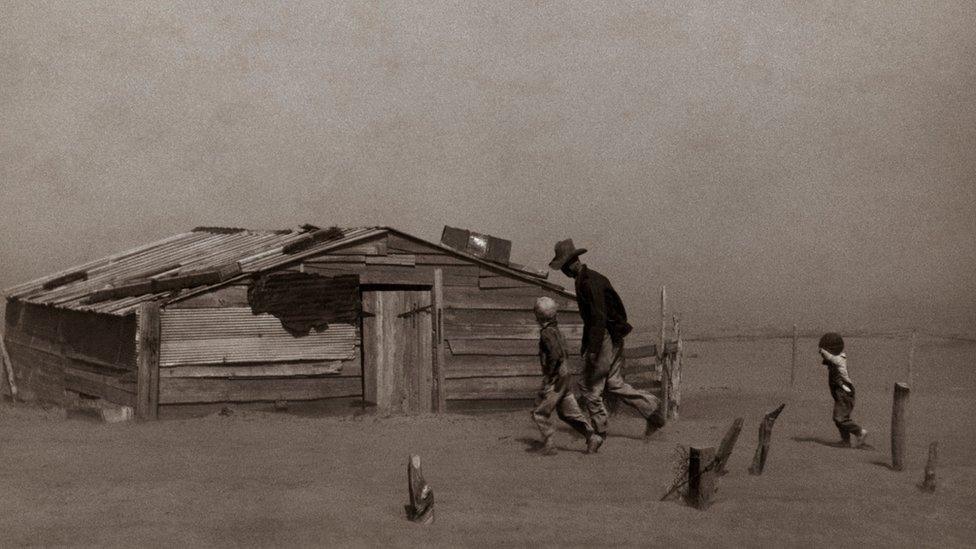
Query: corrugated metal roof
(199,250)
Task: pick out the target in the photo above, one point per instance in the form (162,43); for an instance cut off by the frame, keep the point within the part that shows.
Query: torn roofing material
(169,259)
(164,269)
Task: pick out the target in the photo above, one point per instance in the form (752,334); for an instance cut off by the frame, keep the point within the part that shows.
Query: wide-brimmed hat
(565,252)
(832,342)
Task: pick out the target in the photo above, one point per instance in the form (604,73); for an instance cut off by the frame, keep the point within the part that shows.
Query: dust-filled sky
(811,163)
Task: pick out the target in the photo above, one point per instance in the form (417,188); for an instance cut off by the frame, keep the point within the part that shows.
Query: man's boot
(654,424)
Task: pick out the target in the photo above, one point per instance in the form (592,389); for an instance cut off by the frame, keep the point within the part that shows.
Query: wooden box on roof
(218,317)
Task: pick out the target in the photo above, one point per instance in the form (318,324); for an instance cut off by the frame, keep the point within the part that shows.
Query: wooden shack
(216,317)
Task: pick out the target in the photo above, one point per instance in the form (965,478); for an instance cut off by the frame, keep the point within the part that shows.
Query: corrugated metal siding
(234,334)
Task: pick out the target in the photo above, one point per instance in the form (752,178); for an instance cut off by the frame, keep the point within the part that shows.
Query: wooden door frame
(437,340)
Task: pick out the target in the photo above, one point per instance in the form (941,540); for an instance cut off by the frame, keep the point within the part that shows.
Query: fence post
(765,436)
(701,476)
(928,483)
(898,418)
(664,305)
(421,497)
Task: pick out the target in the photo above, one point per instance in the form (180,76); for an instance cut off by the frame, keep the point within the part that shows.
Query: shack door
(397,350)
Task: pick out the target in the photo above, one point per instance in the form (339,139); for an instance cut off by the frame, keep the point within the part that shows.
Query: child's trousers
(843,406)
(556,396)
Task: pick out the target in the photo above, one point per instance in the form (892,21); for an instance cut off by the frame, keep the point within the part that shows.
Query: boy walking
(841,389)
(555,394)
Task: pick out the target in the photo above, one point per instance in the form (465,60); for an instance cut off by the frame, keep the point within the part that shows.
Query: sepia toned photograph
(536,273)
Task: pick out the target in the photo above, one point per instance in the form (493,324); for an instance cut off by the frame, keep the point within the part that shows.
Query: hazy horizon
(812,164)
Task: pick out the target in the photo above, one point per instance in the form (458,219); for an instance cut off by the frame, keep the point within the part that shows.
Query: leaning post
(765,436)
(726,446)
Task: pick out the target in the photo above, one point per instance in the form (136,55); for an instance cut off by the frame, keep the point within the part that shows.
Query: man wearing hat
(604,328)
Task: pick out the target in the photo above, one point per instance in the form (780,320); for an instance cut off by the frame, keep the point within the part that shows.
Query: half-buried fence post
(928,483)
(726,446)
(701,476)
(765,435)
(421,506)
(898,419)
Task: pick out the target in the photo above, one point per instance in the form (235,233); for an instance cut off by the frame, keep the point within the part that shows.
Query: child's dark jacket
(552,349)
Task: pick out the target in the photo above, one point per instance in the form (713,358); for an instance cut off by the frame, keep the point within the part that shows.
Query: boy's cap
(832,343)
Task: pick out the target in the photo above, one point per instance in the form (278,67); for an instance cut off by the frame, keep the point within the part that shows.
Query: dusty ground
(263,479)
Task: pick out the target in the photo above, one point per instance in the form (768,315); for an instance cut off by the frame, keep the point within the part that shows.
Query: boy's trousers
(843,406)
(556,396)
(604,373)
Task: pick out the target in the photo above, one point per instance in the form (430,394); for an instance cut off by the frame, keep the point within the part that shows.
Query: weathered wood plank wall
(489,330)
(54,350)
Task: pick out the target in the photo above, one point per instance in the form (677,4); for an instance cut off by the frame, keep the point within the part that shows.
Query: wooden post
(898,419)
(765,435)
(676,363)
(725,448)
(147,361)
(929,483)
(674,379)
(421,506)
(911,357)
(9,367)
(793,362)
(440,391)
(664,308)
(662,410)
(701,476)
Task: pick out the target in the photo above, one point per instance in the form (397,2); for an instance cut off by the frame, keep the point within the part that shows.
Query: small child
(841,389)
(555,393)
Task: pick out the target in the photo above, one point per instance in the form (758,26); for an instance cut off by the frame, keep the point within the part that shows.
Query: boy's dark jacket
(601,309)
(552,349)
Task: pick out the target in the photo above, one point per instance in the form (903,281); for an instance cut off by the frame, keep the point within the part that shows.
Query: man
(604,328)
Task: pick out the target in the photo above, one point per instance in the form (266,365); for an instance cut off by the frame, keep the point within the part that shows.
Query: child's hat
(832,343)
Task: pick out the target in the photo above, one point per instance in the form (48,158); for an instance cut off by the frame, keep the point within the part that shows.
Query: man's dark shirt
(601,309)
